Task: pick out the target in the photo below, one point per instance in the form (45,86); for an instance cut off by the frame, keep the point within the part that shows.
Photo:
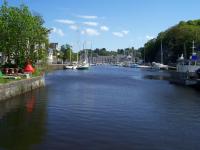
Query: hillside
(176,40)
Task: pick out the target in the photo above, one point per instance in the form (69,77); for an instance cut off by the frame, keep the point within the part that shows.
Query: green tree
(67,50)
(176,40)
(22,35)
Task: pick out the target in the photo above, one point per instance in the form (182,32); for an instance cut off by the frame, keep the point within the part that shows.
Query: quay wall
(19,87)
(55,66)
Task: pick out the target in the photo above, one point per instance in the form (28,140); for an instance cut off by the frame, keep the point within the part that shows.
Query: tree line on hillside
(67,50)
(175,41)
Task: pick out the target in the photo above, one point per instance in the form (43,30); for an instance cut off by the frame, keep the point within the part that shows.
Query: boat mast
(77,58)
(91,54)
(144,54)
(70,56)
(185,52)
(193,53)
(84,49)
(133,53)
(193,47)
(161,47)
(85,56)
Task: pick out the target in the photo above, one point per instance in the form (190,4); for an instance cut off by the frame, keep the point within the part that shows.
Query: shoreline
(12,89)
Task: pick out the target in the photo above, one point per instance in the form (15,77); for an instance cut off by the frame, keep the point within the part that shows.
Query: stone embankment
(19,87)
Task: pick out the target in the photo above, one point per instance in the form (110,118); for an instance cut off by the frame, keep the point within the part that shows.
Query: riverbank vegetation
(176,40)
(67,50)
(23,36)
(23,40)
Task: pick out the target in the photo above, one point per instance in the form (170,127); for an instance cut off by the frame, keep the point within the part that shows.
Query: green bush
(38,72)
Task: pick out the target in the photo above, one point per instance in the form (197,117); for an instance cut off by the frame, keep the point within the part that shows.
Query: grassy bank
(3,81)
(40,70)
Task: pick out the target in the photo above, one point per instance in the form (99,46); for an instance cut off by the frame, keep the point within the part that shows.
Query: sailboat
(190,66)
(134,64)
(91,57)
(160,65)
(84,65)
(187,70)
(71,65)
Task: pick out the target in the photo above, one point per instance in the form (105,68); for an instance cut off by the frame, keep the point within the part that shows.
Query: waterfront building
(53,54)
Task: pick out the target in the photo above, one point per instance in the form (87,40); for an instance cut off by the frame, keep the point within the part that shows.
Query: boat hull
(70,67)
(83,67)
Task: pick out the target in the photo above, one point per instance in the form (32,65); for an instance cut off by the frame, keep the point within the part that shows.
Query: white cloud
(104,28)
(125,32)
(91,23)
(118,34)
(149,37)
(121,34)
(73,27)
(90,32)
(65,21)
(87,17)
(83,32)
(58,31)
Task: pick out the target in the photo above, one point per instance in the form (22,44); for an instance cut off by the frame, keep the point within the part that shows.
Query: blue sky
(110,23)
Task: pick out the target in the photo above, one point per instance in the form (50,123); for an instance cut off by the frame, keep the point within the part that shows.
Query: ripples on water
(103,108)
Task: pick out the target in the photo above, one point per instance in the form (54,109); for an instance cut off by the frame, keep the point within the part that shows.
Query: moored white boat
(70,66)
(83,66)
(144,66)
(188,66)
(134,65)
(187,71)
(159,66)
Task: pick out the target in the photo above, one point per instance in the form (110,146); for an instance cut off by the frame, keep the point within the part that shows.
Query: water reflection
(30,104)
(157,77)
(22,120)
(103,108)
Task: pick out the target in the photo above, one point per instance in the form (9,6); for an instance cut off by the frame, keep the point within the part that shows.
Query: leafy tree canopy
(23,36)
(176,40)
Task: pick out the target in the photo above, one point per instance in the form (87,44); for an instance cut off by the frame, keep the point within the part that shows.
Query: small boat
(144,66)
(190,66)
(159,66)
(93,64)
(134,65)
(83,66)
(71,65)
(68,67)
(187,71)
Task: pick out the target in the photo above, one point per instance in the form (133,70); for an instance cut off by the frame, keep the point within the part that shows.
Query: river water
(104,108)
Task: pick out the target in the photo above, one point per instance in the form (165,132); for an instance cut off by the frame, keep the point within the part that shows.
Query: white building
(50,56)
